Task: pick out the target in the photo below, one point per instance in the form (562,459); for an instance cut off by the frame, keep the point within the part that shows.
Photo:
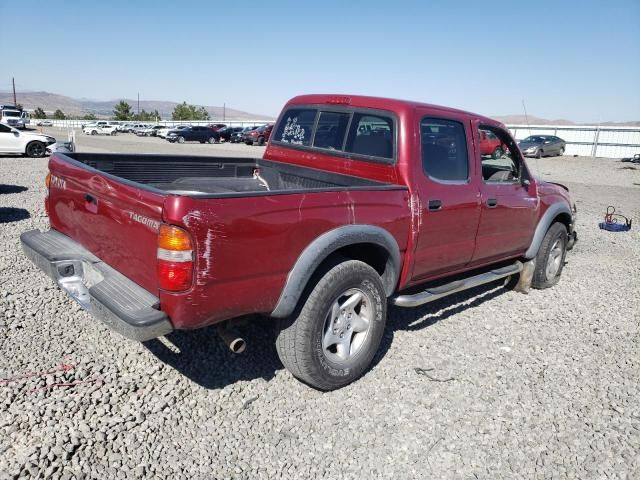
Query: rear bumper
(108,295)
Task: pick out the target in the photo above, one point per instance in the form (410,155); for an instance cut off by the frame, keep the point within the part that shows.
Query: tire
(248,143)
(211,140)
(550,258)
(94,132)
(36,150)
(312,348)
(561,153)
(539,154)
(180,139)
(497,153)
(113,134)
(261,141)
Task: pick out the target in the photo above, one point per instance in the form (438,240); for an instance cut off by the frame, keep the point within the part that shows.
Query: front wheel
(36,149)
(94,132)
(497,153)
(212,140)
(550,258)
(539,154)
(261,141)
(180,139)
(335,335)
(561,153)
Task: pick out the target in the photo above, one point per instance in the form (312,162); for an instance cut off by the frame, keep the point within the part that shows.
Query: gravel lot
(541,385)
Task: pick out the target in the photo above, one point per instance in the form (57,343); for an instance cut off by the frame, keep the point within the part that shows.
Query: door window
(371,135)
(444,150)
(501,164)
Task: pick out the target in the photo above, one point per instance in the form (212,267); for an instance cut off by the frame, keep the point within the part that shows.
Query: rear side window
(296,126)
(371,135)
(331,130)
(444,150)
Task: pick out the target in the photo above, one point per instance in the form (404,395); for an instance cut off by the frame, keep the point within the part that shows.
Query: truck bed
(219,177)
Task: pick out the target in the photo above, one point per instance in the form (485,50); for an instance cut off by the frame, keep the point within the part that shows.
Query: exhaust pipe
(232,339)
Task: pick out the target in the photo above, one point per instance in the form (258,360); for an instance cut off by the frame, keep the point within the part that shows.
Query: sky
(577,60)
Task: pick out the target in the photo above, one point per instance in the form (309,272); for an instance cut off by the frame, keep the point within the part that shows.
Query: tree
(122,111)
(189,112)
(59,115)
(145,116)
(39,113)
(89,116)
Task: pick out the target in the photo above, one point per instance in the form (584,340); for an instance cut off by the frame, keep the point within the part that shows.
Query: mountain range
(78,107)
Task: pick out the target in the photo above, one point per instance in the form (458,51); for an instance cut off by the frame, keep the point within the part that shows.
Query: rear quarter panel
(245,247)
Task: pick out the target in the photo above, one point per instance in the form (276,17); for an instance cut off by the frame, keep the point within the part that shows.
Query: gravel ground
(533,386)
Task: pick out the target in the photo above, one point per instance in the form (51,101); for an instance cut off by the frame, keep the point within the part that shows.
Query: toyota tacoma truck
(357,203)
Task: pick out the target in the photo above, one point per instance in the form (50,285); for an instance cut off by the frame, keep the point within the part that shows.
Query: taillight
(47,183)
(175,259)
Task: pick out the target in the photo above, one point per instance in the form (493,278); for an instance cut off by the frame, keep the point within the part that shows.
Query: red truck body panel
(246,246)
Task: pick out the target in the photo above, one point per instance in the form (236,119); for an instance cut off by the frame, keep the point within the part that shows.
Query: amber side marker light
(175,259)
(47,180)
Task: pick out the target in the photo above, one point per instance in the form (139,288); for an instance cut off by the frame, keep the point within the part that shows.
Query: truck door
(449,197)
(509,207)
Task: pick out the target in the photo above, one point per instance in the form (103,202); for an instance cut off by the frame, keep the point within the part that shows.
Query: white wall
(613,142)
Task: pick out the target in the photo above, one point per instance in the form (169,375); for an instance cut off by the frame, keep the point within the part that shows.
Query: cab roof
(381,103)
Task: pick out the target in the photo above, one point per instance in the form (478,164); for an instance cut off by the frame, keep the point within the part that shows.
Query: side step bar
(435,293)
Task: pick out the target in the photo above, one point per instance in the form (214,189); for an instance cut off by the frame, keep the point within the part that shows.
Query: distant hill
(522,120)
(50,102)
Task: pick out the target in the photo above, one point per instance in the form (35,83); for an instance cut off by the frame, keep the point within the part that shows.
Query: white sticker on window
(293,132)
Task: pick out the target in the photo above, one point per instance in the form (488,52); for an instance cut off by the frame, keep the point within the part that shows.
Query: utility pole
(13,81)
(224,111)
(138,103)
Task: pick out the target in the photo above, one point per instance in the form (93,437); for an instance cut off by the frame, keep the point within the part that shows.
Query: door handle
(435,205)
(492,202)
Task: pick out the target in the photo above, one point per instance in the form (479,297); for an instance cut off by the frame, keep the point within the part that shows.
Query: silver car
(542,146)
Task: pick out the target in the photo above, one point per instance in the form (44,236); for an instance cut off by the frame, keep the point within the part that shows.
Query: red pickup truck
(357,202)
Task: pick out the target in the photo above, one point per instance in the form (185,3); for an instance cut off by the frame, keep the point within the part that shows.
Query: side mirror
(16,133)
(526,183)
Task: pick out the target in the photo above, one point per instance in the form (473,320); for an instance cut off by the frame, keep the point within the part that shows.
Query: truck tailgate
(116,221)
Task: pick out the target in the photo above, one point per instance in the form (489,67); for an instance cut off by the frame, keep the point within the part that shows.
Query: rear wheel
(180,139)
(212,140)
(261,141)
(36,149)
(335,335)
(550,258)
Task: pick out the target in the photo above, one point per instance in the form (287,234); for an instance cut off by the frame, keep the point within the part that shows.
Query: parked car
(193,134)
(149,131)
(490,144)
(377,210)
(227,132)
(217,126)
(27,143)
(238,137)
(100,130)
(542,146)
(258,136)
(124,127)
(163,132)
(45,123)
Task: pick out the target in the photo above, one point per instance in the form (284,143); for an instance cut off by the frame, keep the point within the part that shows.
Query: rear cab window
(346,132)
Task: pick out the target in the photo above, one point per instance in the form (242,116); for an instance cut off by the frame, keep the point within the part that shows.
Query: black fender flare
(326,244)
(543,225)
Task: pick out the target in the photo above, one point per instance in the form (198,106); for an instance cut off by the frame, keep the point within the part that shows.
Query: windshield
(534,139)
(9,113)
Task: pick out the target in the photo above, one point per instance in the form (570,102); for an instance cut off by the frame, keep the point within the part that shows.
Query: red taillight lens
(175,259)
(175,276)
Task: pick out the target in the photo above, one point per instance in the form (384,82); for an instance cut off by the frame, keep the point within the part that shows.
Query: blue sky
(577,60)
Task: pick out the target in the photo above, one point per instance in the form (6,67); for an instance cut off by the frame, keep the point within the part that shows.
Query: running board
(435,293)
